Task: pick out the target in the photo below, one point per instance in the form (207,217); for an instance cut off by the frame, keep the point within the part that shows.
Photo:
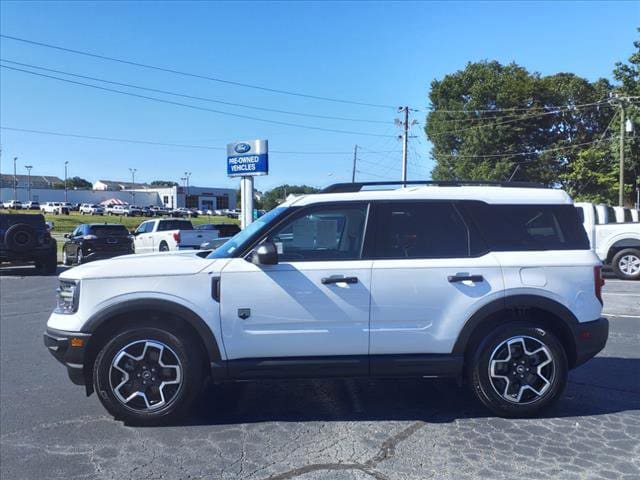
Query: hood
(145,265)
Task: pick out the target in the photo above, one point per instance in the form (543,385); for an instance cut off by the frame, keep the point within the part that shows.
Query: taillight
(598,281)
(176,236)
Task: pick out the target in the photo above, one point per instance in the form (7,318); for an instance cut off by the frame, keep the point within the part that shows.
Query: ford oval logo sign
(242,148)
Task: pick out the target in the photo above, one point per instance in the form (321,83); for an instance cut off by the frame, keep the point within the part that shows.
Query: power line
(163,144)
(517,109)
(195,75)
(193,97)
(195,107)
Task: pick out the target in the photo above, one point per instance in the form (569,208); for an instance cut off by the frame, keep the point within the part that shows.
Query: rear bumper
(69,349)
(590,338)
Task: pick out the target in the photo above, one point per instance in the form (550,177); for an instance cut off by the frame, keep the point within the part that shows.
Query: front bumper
(590,338)
(69,349)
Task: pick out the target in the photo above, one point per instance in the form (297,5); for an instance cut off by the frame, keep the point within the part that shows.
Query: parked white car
(56,208)
(31,206)
(91,209)
(495,286)
(616,244)
(164,235)
(13,204)
(123,210)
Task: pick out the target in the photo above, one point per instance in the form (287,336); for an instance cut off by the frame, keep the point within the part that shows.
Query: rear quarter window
(528,227)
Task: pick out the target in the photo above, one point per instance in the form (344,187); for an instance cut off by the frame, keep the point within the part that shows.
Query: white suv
(495,285)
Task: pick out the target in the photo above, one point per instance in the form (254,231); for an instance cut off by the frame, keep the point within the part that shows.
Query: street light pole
(133,184)
(186,199)
(15,179)
(29,167)
(65,181)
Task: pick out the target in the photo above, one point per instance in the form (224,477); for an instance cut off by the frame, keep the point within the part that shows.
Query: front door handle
(339,279)
(464,278)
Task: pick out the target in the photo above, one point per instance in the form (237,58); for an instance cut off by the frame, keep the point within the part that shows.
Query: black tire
(20,237)
(66,261)
(490,390)
(163,247)
(626,264)
(178,399)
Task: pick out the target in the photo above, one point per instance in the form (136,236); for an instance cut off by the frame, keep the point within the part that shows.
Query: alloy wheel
(521,369)
(629,264)
(145,375)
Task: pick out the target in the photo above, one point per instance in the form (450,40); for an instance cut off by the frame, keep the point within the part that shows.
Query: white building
(198,197)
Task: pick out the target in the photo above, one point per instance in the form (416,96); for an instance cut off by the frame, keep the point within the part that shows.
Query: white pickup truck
(616,243)
(163,235)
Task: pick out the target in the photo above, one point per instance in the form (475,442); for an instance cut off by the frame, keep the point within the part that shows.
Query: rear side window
(174,225)
(109,230)
(627,215)
(529,227)
(421,230)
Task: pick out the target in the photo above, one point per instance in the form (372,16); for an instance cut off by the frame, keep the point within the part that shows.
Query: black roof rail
(357,186)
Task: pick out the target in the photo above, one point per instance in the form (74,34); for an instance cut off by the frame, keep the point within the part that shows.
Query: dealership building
(192,197)
(39,189)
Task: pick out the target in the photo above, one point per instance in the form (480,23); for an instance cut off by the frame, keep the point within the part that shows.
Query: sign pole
(246,201)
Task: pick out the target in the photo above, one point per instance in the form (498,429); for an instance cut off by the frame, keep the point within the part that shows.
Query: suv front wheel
(147,375)
(518,370)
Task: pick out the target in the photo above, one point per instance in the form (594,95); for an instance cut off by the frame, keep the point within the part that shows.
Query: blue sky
(382,53)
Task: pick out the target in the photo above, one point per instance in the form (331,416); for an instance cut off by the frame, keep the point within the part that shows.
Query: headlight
(68,296)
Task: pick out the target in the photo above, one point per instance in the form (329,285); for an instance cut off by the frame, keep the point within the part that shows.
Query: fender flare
(515,303)
(188,315)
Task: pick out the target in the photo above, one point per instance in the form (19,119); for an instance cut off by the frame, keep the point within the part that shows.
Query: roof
(488,194)
(8,178)
(122,185)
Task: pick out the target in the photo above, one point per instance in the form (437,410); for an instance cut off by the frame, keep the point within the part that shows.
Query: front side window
(420,230)
(324,233)
(142,228)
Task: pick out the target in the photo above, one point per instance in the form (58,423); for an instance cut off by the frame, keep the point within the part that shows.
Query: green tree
(276,196)
(163,183)
(74,183)
(487,111)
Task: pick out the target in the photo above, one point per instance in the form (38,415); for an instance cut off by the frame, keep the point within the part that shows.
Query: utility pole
(355,161)
(622,127)
(29,167)
(65,180)
(133,184)
(405,135)
(15,179)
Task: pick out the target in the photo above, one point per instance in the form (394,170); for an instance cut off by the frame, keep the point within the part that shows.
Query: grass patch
(67,223)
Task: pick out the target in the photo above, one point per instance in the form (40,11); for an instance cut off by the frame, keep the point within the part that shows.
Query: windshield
(227,249)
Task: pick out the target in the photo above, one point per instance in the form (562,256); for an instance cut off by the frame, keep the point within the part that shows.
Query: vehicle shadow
(28,271)
(604,385)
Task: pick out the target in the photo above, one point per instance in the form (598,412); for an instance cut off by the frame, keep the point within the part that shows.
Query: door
(143,241)
(74,243)
(430,273)
(313,303)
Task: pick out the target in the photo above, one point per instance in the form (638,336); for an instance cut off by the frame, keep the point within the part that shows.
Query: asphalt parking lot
(330,429)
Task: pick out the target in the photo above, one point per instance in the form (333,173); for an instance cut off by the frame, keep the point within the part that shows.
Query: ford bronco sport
(495,285)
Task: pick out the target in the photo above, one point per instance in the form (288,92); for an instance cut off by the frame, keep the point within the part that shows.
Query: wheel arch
(618,244)
(540,310)
(109,320)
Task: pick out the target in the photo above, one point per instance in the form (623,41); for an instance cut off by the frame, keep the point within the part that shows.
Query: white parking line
(620,315)
(623,294)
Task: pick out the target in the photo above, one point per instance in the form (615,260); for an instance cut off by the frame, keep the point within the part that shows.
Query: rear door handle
(463,278)
(339,279)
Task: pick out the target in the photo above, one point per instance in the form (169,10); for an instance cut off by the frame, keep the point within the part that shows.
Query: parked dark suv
(95,241)
(26,238)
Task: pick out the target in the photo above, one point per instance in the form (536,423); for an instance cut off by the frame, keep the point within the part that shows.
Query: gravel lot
(330,429)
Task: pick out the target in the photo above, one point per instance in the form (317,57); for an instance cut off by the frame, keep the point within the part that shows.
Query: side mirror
(133,232)
(265,254)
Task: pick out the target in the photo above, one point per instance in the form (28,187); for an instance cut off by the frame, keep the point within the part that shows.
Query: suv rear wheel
(146,375)
(518,370)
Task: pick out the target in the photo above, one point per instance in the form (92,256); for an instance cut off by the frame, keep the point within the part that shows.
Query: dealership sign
(247,159)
